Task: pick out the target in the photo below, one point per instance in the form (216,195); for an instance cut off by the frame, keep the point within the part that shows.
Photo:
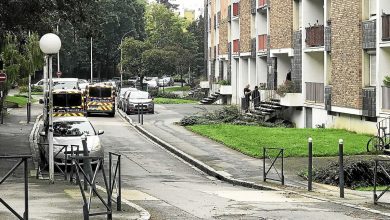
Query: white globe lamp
(50,44)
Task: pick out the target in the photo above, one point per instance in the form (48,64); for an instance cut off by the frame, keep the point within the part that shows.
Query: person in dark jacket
(247,94)
(256,97)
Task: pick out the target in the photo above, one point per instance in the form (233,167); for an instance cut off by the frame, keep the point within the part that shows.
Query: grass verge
(250,140)
(177,89)
(173,101)
(20,101)
(370,188)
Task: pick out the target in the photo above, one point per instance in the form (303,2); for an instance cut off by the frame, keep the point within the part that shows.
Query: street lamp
(50,45)
(121,70)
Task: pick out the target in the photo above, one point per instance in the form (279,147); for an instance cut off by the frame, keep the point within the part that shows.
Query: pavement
(233,167)
(61,200)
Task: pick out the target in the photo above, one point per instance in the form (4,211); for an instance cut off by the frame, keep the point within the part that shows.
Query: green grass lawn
(173,101)
(177,89)
(19,100)
(371,188)
(250,140)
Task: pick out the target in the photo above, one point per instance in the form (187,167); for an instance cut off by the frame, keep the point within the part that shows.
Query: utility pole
(91,62)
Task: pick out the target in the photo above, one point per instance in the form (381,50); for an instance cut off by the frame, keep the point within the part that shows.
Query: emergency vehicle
(68,102)
(100,98)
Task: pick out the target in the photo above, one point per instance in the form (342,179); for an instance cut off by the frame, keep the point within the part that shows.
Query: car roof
(65,79)
(67,91)
(65,119)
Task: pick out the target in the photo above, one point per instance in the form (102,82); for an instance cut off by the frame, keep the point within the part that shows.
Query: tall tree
(168,4)
(198,31)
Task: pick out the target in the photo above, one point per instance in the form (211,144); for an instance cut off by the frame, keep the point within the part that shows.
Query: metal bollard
(28,112)
(341,167)
(86,162)
(2,115)
(139,116)
(264,175)
(310,166)
(142,115)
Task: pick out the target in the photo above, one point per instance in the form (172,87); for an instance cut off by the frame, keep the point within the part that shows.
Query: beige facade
(281,23)
(245,26)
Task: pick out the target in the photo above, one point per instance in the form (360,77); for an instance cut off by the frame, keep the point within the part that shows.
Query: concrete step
(271,106)
(265,109)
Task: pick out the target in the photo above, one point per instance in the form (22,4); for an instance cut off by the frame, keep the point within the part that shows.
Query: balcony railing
(253,48)
(236,46)
(386,27)
(236,9)
(369,102)
(315,92)
(369,34)
(315,36)
(262,42)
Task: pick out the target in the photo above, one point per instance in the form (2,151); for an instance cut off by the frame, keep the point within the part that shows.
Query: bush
(287,87)
(386,81)
(224,83)
(24,89)
(167,95)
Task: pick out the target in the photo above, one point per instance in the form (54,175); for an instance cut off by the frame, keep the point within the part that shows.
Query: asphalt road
(172,189)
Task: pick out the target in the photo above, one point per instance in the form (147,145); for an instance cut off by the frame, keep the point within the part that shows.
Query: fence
(315,92)
(24,161)
(273,160)
(116,179)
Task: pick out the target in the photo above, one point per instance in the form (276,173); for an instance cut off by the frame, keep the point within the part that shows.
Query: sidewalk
(61,200)
(232,164)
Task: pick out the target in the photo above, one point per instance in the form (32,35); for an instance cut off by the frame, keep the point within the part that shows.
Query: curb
(33,140)
(210,171)
(191,160)
(144,215)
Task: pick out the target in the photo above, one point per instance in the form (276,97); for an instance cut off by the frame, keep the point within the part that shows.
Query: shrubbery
(24,89)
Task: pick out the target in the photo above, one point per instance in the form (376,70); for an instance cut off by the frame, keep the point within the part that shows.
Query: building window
(372,64)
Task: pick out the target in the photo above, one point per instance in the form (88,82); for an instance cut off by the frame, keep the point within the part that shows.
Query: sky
(190,4)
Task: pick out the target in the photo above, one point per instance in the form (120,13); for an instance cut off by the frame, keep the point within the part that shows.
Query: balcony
(328,38)
(369,102)
(236,46)
(263,3)
(253,7)
(229,13)
(315,36)
(253,48)
(386,98)
(369,34)
(236,9)
(262,42)
(315,92)
(386,27)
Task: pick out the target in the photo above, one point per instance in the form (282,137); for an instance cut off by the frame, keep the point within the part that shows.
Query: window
(372,70)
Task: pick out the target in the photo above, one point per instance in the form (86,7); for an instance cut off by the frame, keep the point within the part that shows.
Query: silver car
(69,131)
(139,100)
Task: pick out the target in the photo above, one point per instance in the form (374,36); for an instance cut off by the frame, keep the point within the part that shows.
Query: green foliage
(24,89)
(251,139)
(178,89)
(223,83)
(386,81)
(132,55)
(168,95)
(287,87)
(173,101)
(19,101)
(158,62)
(12,59)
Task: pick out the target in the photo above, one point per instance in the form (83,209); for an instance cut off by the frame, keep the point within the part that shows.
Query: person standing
(247,95)
(256,97)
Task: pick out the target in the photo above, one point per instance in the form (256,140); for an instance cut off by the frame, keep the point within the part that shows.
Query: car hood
(92,142)
(140,101)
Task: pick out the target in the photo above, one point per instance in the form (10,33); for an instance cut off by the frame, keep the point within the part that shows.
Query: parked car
(83,84)
(152,82)
(166,81)
(121,97)
(137,100)
(61,83)
(68,131)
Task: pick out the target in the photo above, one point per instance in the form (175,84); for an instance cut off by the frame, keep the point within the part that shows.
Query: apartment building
(329,56)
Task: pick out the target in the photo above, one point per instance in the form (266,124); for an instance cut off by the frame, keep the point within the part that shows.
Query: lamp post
(121,70)
(50,45)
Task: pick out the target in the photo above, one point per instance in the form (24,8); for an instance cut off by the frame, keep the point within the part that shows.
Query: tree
(12,59)
(198,31)
(168,4)
(132,56)
(159,62)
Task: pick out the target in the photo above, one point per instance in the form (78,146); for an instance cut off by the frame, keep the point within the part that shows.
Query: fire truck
(100,98)
(68,102)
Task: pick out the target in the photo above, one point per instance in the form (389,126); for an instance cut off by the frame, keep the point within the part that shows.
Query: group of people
(251,95)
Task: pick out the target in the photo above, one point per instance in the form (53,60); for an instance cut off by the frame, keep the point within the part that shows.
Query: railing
(115,178)
(24,160)
(236,9)
(253,47)
(387,176)
(328,38)
(386,27)
(315,92)
(273,160)
(236,46)
(369,34)
(369,102)
(315,36)
(262,42)
(90,180)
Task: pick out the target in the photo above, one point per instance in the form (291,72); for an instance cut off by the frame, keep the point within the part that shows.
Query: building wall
(223,28)
(281,23)
(346,76)
(245,26)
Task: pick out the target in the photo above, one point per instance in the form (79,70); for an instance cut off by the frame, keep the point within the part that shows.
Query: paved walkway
(61,200)
(238,166)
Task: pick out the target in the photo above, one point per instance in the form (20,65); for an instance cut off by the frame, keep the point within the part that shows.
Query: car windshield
(67,100)
(72,128)
(139,95)
(100,92)
(65,85)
